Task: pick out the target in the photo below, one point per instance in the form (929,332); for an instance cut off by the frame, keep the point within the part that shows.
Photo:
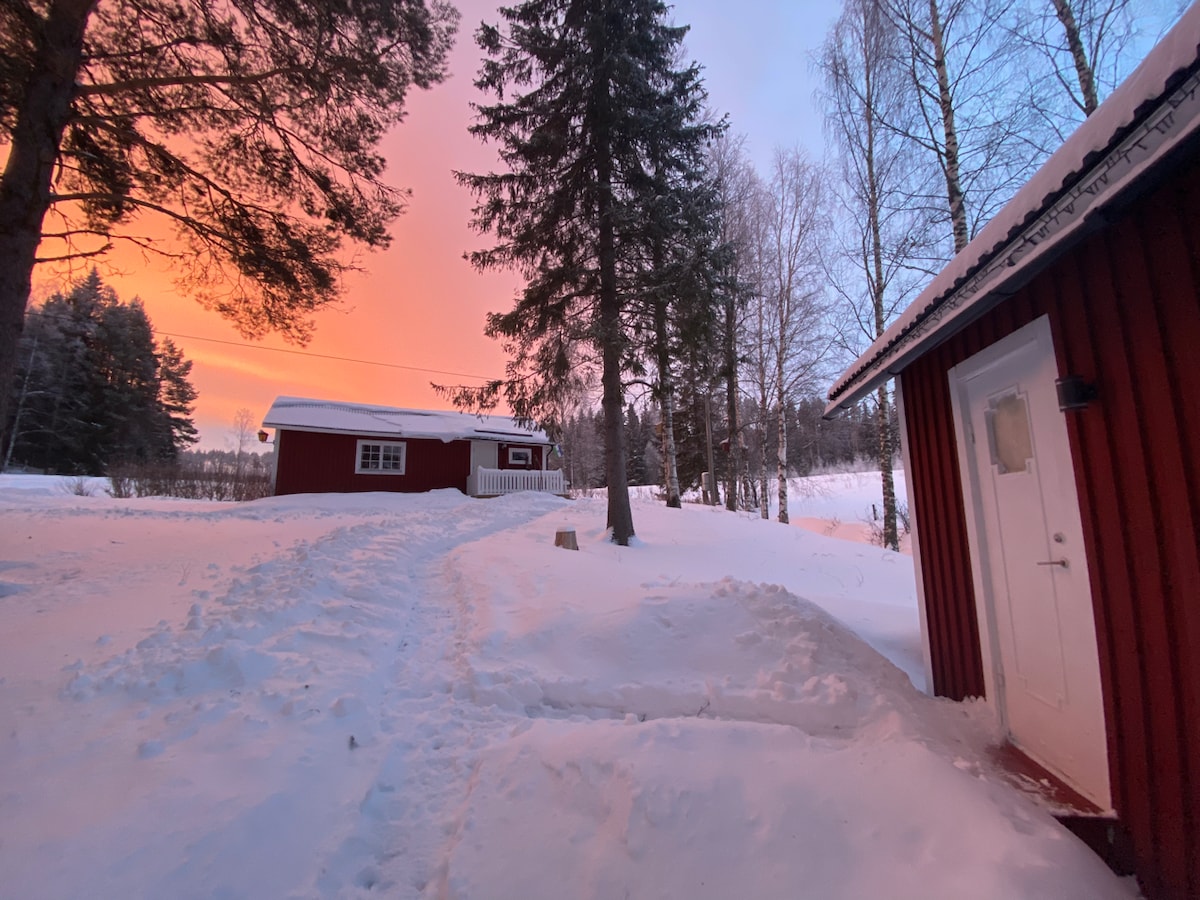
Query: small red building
(324,446)
(1049,389)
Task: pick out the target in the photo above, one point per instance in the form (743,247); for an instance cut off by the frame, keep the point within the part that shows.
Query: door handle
(1054,562)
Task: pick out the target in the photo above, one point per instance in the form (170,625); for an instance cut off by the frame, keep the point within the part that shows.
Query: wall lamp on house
(262,437)
(1074,393)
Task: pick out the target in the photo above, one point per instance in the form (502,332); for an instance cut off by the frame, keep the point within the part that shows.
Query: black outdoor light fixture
(262,436)
(1074,393)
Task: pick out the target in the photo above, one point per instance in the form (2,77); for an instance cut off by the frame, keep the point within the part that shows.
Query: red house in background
(1049,390)
(324,446)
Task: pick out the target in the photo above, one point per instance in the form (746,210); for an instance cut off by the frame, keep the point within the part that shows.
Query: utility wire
(244,345)
(365,362)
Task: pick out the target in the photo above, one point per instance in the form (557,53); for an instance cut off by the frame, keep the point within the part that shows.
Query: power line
(365,362)
(244,345)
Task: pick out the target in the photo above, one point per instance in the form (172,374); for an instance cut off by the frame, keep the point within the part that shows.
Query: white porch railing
(493,482)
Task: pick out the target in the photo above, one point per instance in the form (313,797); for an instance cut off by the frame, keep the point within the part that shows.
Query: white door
(484,454)
(1031,574)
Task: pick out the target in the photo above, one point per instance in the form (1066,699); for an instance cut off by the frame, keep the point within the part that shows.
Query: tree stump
(565,538)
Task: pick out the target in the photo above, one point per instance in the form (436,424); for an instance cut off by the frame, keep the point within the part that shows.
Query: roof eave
(493,436)
(293,414)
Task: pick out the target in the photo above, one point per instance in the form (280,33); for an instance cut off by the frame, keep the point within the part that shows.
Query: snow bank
(711,809)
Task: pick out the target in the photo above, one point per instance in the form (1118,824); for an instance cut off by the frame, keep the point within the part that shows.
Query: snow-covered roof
(1134,131)
(301,414)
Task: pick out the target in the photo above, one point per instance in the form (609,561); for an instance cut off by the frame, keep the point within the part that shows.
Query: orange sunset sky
(420,304)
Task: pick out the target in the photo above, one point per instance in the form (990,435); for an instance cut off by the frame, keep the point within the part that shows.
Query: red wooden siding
(1124,309)
(940,516)
(311,461)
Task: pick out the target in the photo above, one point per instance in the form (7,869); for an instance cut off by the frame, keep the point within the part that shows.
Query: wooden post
(565,538)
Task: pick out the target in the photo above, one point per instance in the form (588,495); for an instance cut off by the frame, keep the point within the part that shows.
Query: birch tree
(883,240)
(959,61)
(785,338)
(798,341)
(736,185)
(754,335)
(1081,50)
(1087,99)
(758,340)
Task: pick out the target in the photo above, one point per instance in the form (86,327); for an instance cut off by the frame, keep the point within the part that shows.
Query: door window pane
(1008,434)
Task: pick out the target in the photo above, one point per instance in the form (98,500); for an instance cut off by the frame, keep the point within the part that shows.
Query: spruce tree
(589,109)
(93,389)
(123,395)
(175,399)
(56,383)
(685,256)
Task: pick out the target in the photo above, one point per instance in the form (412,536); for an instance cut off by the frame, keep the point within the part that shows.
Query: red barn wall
(314,462)
(1124,309)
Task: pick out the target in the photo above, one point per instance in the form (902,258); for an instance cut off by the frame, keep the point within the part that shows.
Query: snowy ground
(420,696)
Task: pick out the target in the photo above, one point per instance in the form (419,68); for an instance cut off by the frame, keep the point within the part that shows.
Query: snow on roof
(301,414)
(1135,130)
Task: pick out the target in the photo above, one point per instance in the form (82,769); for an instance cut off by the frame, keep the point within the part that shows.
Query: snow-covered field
(420,696)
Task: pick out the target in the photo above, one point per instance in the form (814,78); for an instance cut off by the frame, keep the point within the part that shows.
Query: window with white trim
(380,458)
(520,456)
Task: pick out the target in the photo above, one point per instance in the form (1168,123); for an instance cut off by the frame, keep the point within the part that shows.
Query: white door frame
(1036,332)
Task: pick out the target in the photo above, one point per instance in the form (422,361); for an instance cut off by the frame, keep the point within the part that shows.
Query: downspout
(275,459)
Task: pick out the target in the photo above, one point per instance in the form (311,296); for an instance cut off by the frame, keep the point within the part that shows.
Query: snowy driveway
(421,697)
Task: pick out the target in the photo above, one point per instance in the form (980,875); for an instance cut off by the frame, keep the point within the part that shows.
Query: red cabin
(324,446)
(1049,388)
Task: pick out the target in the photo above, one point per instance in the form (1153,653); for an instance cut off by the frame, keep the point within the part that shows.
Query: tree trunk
(611,335)
(666,389)
(734,456)
(891,534)
(714,494)
(781,465)
(954,193)
(620,516)
(781,431)
(1083,69)
(891,538)
(16,426)
(764,398)
(670,467)
(764,492)
(42,115)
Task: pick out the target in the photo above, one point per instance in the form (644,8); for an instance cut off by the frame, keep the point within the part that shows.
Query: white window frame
(391,446)
(515,455)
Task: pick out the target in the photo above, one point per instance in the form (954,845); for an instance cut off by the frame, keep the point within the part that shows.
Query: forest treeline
(814,445)
(94,389)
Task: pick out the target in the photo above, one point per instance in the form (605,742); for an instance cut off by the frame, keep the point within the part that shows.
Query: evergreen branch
(182,80)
